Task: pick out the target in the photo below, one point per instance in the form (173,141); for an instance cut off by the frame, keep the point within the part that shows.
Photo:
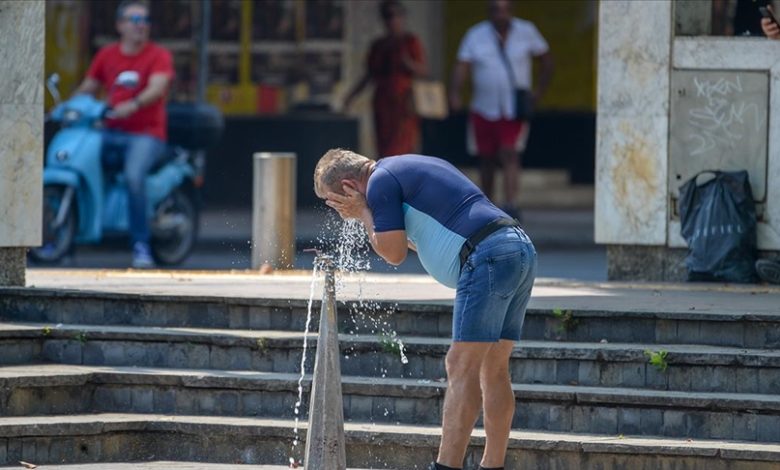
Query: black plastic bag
(718,220)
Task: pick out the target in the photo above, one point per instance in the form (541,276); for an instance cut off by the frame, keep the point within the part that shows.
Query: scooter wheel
(58,235)
(174,228)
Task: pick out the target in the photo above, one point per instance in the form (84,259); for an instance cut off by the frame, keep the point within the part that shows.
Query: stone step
(136,437)
(56,389)
(169,465)
(689,367)
(576,321)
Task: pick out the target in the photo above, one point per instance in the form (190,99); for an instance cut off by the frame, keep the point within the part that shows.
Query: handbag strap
(715,173)
(505,59)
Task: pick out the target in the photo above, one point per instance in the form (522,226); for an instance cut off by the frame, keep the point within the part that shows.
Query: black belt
(483,233)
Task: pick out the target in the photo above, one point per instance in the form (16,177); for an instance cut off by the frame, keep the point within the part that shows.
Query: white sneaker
(142,256)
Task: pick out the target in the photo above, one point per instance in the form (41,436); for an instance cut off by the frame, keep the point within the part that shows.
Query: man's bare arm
(357,89)
(459,74)
(158,83)
(155,89)
(392,246)
(545,74)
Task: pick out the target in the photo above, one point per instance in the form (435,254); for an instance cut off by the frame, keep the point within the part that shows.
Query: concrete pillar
(633,122)
(273,210)
(325,437)
(12,266)
(21,133)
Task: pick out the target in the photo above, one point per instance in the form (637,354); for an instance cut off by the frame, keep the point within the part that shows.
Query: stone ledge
(679,354)
(381,387)
(13,264)
(166,465)
(377,435)
(429,306)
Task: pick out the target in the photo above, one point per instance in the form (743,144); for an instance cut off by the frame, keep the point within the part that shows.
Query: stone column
(21,133)
(632,135)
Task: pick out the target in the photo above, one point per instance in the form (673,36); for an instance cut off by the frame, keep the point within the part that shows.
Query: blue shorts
(494,288)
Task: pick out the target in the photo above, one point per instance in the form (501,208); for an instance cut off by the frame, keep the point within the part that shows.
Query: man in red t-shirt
(135,74)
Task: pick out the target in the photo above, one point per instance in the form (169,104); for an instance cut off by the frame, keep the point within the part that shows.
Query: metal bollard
(273,210)
(325,436)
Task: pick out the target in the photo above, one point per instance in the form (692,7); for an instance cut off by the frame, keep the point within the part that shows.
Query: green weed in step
(389,344)
(568,322)
(47,331)
(658,359)
(81,337)
(262,345)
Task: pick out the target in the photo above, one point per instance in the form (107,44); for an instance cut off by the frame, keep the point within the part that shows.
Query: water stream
(297,410)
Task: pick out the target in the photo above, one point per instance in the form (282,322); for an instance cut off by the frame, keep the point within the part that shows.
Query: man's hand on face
(124,109)
(350,205)
(770,28)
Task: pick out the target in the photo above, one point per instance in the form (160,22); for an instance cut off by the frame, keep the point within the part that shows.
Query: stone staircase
(107,377)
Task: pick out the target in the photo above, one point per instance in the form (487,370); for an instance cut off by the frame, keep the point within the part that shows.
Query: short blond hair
(334,166)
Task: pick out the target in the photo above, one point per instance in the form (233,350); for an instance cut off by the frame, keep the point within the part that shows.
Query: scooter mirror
(51,85)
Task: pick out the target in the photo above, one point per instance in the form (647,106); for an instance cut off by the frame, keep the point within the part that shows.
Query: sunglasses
(137,19)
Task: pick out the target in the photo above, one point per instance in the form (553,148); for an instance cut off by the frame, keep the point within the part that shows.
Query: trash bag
(718,220)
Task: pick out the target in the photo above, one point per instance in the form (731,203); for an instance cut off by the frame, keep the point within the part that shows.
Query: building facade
(682,89)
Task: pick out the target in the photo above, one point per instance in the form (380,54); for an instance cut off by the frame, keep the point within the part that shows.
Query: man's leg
(498,402)
(483,141)
(462,402)
(141,155)
(487,172)
(510,161)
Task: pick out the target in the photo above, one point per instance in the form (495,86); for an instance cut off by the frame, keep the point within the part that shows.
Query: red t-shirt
(133,72)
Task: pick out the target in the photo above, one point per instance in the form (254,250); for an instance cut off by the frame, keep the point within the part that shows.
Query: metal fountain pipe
(325,435)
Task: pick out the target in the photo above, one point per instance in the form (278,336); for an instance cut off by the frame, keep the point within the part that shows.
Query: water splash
(352,252)
(297,410)
(404,359)
(348,241)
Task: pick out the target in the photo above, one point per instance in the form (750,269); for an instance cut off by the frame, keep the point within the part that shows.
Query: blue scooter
(83,200)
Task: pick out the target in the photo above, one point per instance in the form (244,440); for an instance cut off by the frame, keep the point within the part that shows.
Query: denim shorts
(494,288)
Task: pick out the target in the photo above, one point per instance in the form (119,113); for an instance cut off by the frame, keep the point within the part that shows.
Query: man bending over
(466,243)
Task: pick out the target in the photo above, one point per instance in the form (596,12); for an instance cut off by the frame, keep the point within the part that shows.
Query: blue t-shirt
(435,203)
